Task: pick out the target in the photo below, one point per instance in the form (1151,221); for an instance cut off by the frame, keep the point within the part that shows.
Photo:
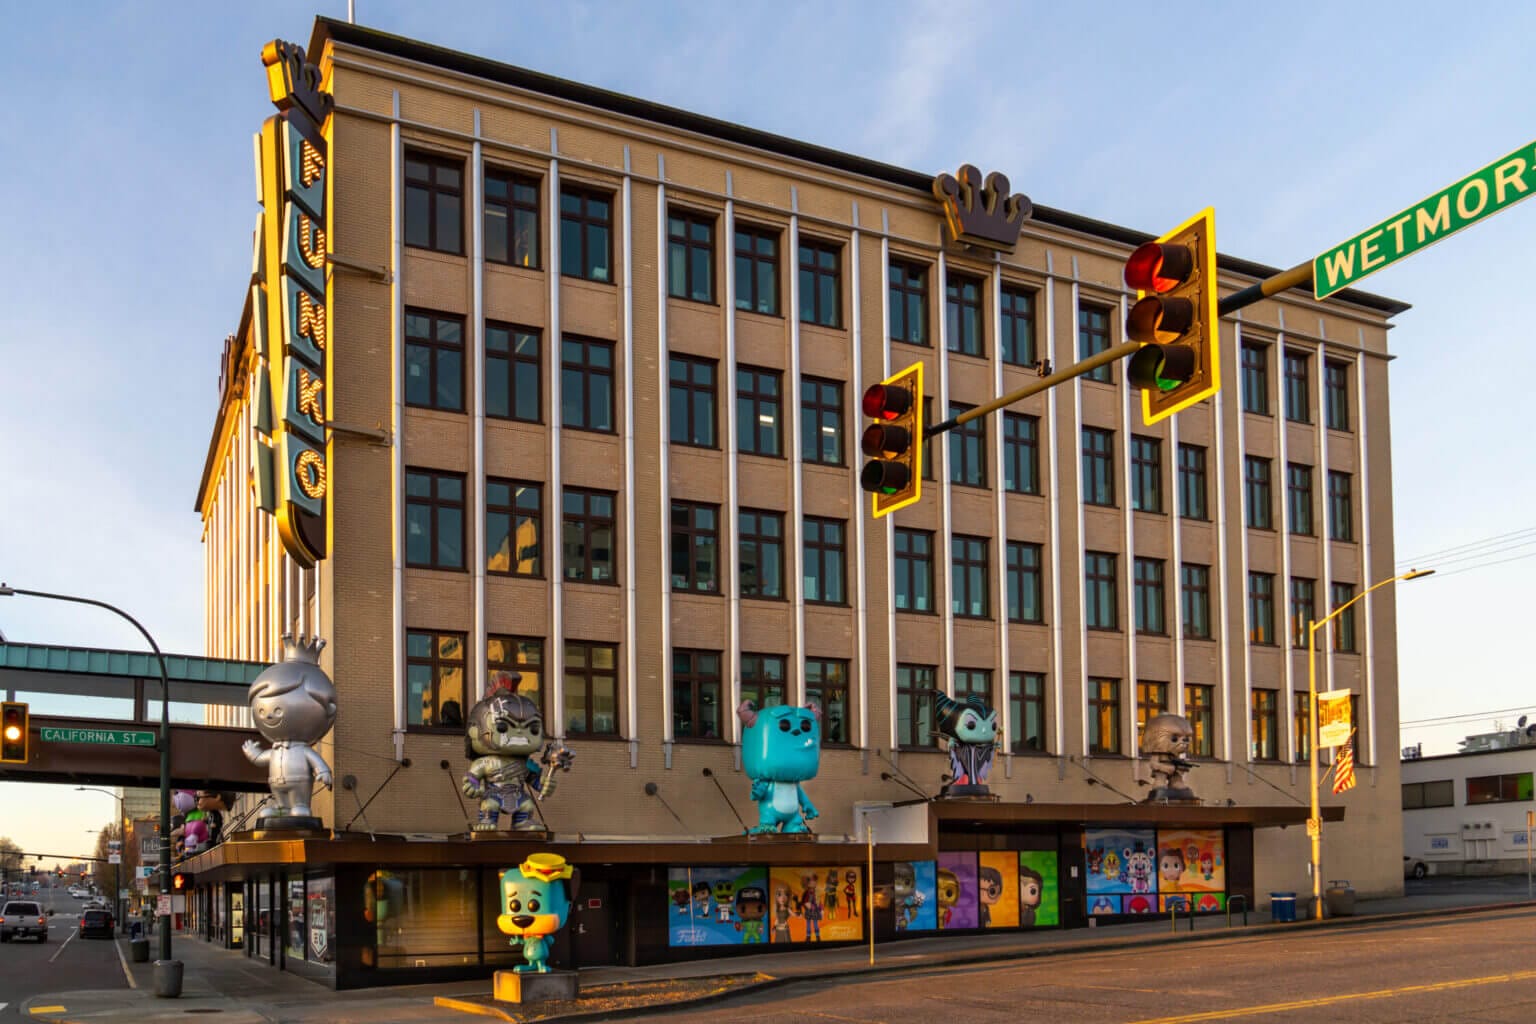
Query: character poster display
(915,896)
(957,890)
(1122,871)
(717,906)
(997,889)
(801,905)
(1191,863)
(1039,889)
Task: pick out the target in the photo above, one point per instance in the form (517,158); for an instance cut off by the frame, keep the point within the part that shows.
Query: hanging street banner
(1333,724)
(1482,193)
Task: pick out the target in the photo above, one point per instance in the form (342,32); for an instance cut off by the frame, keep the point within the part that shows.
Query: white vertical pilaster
(946,552)
(1000,530)
(396,428)
(664,481)
(1050,446)
(1367,565)
(631,630)
(556,656)
(480,643)
(731,513)
(794,532)
(861,561)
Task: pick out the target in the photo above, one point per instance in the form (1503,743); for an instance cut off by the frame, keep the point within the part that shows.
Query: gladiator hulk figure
(294,705)
(504,733)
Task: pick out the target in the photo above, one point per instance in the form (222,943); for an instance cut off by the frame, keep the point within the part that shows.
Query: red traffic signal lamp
(894,441)
(13,732)
(181,881)
(1175,318)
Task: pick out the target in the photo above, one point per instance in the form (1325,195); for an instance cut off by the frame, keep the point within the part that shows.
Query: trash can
(168,979)
(139,950)
(1282,907)
(1339,898)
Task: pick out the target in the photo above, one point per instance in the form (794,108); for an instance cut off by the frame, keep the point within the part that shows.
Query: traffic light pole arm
(1093,362)
(1298,276)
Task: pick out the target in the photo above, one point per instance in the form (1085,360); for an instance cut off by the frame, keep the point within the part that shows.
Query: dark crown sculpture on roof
(982,212)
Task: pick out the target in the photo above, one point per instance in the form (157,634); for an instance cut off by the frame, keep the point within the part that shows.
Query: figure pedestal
(532,835)
(973,793)
(533,987)
(770,838)
(289,826)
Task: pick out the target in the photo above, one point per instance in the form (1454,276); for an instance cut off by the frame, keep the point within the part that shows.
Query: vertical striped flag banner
(1344,766)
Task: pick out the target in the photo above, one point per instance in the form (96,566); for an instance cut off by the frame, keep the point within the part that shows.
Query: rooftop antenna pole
(351,12)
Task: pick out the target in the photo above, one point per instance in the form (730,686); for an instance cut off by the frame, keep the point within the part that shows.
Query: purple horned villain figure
(511,762)
(781,748)
(294,705)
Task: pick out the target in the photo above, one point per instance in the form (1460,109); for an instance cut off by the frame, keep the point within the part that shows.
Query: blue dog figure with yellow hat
(536,899)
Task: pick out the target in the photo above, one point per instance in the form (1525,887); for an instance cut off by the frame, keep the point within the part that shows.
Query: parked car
(1414,868)
(23,917)
(97,922)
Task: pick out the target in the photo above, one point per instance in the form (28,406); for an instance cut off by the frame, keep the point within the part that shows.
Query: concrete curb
(760,982)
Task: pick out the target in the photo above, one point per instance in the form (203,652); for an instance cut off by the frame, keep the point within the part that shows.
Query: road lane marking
(61,948)
(47,1009)
(124,961)
(1303,1004)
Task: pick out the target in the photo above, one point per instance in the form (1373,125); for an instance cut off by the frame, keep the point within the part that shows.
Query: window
(514,527)
(591,689)
(821,421)
(1098,466)
(821,283)
(761,556)
(1025,602)
(1303,609)
(1021,453)
(1018,327)
(511,219)
(824,561)
(977,681)
(1256,482)
(522,655)
(1440,793)
(908,302)
(1302,723)
(434,519)
(1261,608)
(1026,714)
(434,361)
(1150,614)
(914,705)
(1498,789)
(696,699)
(1192,488)
(1341,513)
(586,384)
(826,683)
(435,690)
(762,680)
(1296,387)
(1151,701)
(587,536)
(691,256)
(962,314)
(1195,591)
(1099,590)
(695,547)
(1103,716)
(1336,394)
(434,203)
(1092,338)
(929,473)
(968,449)
(1298,499)
(968,577)
(759,411)
(512,389)
(1146,474)
(692,394)
(1255,378)
(1340,594)
(757,270)
(586,234)
(914,570)
(1200,709)
(1266,739)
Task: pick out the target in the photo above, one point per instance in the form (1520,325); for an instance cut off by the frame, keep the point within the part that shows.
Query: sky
(128,203)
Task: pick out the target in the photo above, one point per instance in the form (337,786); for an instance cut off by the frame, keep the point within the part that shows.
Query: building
(1470,813)
(591,386)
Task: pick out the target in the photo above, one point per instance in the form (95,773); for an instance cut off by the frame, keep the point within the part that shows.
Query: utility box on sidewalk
(1339,898)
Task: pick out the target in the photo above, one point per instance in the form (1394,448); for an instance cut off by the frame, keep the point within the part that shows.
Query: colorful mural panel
(915,896)
(1191,860)
(717,906)
(1121,861)
(997,889)
(1039,889)
(957,890)
(800,907)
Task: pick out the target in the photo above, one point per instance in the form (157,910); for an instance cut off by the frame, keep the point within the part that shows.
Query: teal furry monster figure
(781,748)
(536,898)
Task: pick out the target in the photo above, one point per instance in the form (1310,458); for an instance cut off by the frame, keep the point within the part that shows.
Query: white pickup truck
(23,917)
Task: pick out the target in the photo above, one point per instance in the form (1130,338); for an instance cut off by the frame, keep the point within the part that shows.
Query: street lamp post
(1315,823)
(117,869)
(165,760)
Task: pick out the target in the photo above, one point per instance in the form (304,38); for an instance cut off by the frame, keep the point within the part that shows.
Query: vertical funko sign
(289,307)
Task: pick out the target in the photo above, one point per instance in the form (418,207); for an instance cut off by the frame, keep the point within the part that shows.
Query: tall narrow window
(434,203)
(1021,453)
(761,555)
(1259,505)
(1026,718)
(1302,723)
(968,449)
(759,411)
(973,681)
(586,384)
(1192,489)
(514,531)
(762,680)
(1255,366)
(1343,626)
(1025,602)
(757,270)
(1093,338)
(696,695)
(691,256)
(435,689)
(1146,474)
(692,397)
(695,547)
(914,705)
(591,689)
(821,283)
(1298,499)
(434,519)
(825,561)
(586,234)
(587,536)
(1261,608)
(1103,716)
(1336,394)
(1018,327)
(1098,466)
(434,361)
(962,314)
(1200,709)
(1151,701)
(914,570)
(511,218)
(512,373)
(821,421)
(968,577)
(1195,587)
(908,301)
(826,683)
(1099,590)
(1297,389)
(1150,599)
(1303,609)
(1341,511)
(1266,725)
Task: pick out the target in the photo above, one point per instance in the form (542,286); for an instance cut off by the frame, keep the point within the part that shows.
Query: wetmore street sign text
(114,737)
(1499,185)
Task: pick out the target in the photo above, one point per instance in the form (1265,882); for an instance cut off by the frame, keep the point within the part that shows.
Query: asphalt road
(64,963)
(1456,969)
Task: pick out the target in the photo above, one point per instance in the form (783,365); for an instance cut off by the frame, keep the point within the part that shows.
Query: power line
(1501,537)
(1485,565)
(1472,556)
(1446,719)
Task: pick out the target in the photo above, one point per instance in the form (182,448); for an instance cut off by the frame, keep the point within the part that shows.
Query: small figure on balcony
(781,748)
(511,761)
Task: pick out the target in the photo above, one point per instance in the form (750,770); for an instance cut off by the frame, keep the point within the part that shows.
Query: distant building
(1467,813)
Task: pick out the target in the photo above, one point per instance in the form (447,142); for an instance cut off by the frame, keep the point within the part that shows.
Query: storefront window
(497,950)
(263,918)
(423,918)
(296,938)
(321,917)
(236,918)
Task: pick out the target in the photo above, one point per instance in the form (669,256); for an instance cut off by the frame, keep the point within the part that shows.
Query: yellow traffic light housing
(1175,318)
(13,732)
(894,441)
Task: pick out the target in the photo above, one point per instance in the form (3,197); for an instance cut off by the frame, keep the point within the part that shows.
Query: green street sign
(1496,187)
(112,737)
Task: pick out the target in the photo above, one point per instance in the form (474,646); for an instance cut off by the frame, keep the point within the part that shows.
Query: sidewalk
(243,992)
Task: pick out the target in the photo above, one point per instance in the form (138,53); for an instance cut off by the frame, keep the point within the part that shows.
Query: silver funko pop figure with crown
(294,705)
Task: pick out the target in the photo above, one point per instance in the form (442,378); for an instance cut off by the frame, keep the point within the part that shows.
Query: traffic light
(181,881)
(13,732)
(1174,318)
(894,441)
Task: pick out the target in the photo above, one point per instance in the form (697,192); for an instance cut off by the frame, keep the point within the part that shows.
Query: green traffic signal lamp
(13,732)
(893,442)
(1174,318)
